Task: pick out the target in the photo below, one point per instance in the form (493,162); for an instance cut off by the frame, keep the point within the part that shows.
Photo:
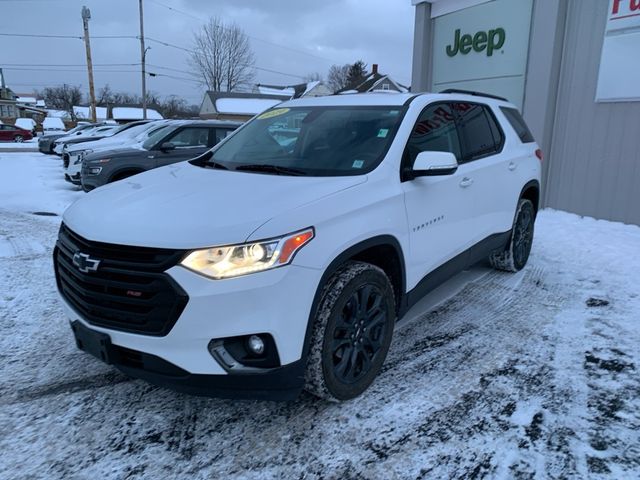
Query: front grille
(129,291)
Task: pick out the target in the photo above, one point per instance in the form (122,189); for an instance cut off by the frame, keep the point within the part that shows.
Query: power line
(249,36)
(167,44)
(69,64)
(31,35)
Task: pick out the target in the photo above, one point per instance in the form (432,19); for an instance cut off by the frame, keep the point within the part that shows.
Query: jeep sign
(483,48)
(490,41)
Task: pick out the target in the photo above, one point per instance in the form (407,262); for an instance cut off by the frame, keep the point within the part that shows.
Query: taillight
(539,154)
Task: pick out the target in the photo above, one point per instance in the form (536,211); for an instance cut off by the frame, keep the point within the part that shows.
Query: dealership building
(571,66)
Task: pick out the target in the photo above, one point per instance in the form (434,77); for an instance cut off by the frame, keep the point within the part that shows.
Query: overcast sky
(296,37)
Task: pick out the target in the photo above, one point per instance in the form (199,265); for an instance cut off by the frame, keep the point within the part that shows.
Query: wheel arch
(531,191)
(120,174)
(385,252)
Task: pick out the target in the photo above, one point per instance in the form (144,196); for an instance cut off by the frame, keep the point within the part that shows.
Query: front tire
(18,139)
(352,332)
(516,255)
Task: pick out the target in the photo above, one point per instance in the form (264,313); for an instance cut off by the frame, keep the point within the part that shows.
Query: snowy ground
(29,145)
(533,375)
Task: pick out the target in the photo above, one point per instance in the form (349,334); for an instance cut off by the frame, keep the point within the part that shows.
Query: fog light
(256,345)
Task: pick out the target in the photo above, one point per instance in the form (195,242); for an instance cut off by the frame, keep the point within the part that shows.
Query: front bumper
(283,383)
(275,302)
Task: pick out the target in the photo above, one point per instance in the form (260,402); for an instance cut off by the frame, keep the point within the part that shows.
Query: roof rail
(475,94)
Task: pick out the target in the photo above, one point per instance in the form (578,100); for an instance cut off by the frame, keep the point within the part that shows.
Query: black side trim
(474,93)
(444,272)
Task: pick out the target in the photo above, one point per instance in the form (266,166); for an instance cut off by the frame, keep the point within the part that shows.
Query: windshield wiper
(212,164)
(277,169)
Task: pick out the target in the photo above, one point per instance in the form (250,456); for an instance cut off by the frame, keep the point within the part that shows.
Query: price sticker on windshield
(273,113)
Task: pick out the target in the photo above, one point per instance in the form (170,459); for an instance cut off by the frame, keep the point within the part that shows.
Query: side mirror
(431,164)
(166,146)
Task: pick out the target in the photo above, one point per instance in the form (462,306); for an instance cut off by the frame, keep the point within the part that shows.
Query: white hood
(185,206)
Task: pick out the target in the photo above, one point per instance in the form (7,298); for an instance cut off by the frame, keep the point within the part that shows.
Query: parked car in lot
(45,142)
(27,124)
(129,138)
(52,125)
(97,133)
(178,141)
(275,262)
(12,133)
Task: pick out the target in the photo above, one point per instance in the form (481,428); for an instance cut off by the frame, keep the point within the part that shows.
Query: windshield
(318,141)
(156,136)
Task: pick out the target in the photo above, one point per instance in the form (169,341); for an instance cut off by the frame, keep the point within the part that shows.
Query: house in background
(307,89)
(237,106)
(8,110)
(375,82)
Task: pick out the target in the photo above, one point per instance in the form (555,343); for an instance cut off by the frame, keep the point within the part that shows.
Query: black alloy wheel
(523,235)
(352,331)
(358,333)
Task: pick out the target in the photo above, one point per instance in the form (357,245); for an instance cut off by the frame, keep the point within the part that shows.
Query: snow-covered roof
(26,99)
(57,113)
(134,113)
(265,90)
(244,106)
(310,86)
(84,112)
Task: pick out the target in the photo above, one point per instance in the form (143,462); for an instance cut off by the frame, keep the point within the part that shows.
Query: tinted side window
(190,137)
(518,124)
(481,135)
(222,133)
(435,131)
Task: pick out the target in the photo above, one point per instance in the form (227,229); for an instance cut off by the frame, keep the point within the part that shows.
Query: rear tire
(516,255)
(18,139)
(352,332)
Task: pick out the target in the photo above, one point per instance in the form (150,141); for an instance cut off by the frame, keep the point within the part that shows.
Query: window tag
(382,133)
(357,164)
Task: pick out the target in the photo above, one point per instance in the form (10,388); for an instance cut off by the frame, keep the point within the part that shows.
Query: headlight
(235,260)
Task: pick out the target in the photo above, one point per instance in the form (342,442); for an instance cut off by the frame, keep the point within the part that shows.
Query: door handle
(466,182)
(512,166)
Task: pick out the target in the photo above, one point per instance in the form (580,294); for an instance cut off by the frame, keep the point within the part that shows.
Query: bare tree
(222,56)
(105,96)
(174,107)
(313,77)
(63,98)
(337,78)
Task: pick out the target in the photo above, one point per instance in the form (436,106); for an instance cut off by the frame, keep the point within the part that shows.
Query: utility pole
(143,54)
(86,16)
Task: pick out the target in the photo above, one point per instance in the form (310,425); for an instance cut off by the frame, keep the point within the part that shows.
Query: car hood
(103,144)
(184,206)
(111,151)
(78,139)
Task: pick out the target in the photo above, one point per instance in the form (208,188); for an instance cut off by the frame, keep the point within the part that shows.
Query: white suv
(282,258)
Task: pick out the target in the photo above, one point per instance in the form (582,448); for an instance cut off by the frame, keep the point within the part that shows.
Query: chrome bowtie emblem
(85,263)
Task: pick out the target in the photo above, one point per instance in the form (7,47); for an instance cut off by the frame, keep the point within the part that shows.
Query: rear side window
(481,135)
(435,131)
(518,124)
